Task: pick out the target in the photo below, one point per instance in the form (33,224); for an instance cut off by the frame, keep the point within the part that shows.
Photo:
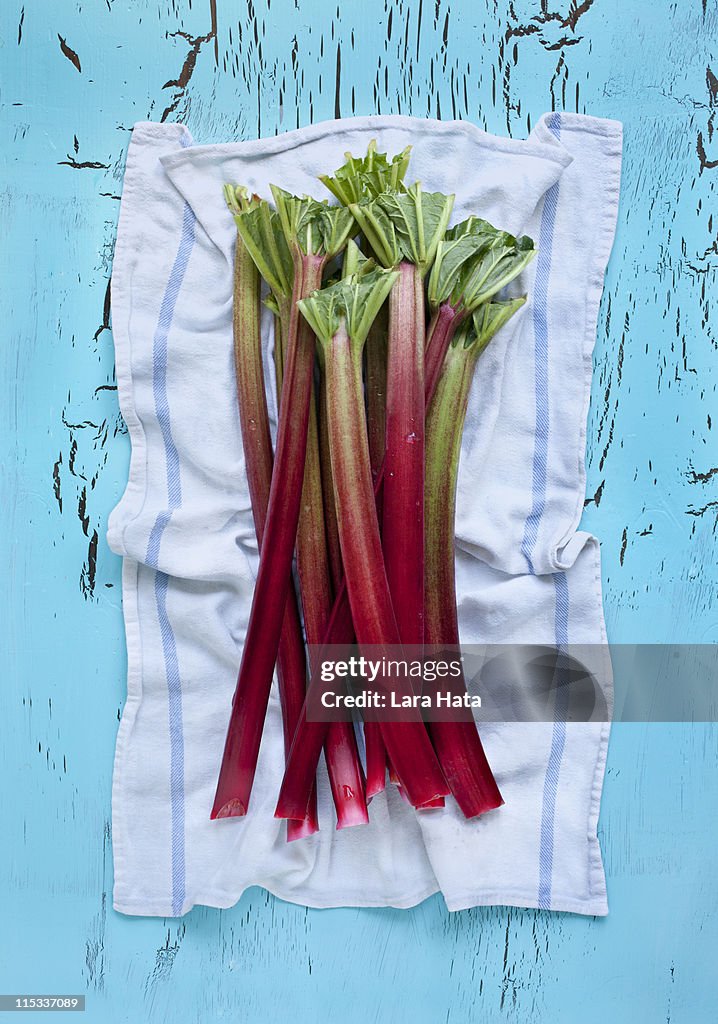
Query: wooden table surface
(76,74)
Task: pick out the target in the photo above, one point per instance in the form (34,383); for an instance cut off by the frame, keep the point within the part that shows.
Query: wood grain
(249,67)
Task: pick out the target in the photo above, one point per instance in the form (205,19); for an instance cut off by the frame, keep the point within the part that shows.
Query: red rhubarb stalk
(403,497)
(346,776)
(344,767)
(258,456)
(312,234)
(404,230)
(318,556)
(439,335)
(375,358)
(341,316)
(310,734)
(249,706)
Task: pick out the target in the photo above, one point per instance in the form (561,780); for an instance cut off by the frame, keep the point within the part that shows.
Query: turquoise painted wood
(75,76)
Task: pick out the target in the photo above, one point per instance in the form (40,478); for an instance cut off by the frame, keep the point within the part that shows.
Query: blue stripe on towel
(533,522)
(558,739)
(540,321)
(174,500)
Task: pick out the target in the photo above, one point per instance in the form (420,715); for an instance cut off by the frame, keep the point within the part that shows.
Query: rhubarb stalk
(375,355)
(316,552)
(330,513)
(404,230)
(258,456)
(457,743)
(317,233)
(315,564)
(341,316)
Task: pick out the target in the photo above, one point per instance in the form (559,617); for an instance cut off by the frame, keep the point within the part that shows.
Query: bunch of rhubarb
(358,492)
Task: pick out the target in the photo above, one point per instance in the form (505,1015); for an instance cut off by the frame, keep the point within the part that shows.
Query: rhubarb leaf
(259,227)
(492,270)
(472,227)
(354,301)
(473,262)
(355,262)
(405,226)
(368,176)
(311,224)
(487,321)
(239,199)
(452,256)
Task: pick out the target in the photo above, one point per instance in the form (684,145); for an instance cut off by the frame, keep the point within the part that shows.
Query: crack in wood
(337,84)
(624,545)
(79,166)
(89,569)
(69,53)
(700,478)
(195,42)
(712,86)
(56,482)
(106,311)
(701,511)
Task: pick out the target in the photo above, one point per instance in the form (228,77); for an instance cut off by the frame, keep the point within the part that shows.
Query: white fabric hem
(592,906)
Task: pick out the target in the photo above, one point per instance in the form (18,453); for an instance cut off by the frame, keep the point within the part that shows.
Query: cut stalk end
(230,809)
(301,829)
(352,812)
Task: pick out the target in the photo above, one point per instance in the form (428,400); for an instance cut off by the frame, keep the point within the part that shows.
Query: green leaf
(355,300)
(474,262)
(452,256)
(239,199)
(486,322)
(368,176)
(493,268)
(472,227)
(312,224)
(378,229)
(405,226)
(260,230)
(271,303)
(355,262)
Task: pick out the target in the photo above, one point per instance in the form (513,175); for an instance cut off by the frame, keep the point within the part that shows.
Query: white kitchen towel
(185,530)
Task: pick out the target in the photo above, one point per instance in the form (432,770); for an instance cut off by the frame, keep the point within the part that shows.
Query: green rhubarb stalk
(341,316)
(457,743)
(353,263)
